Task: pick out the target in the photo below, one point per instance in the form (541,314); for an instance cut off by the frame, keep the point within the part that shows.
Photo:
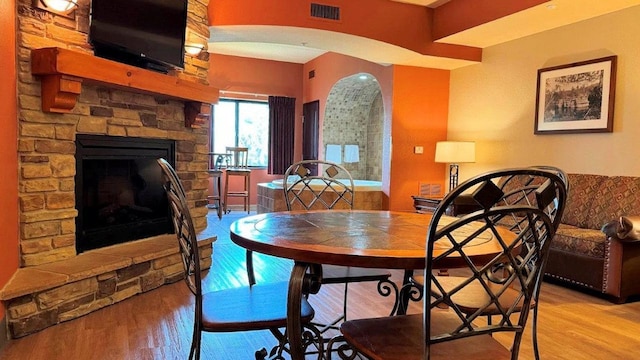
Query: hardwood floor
(158,324)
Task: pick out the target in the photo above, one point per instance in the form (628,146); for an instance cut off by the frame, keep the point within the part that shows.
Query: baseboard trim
(240,208)
(4,334)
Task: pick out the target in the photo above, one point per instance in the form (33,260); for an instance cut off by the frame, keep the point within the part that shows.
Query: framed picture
(576,98)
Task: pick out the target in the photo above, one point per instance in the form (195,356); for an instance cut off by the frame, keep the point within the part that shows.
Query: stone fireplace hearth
(41,296)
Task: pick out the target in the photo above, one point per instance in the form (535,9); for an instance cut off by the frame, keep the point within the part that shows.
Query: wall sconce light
(193,49)
(58,7)
(194,43)
(453,153)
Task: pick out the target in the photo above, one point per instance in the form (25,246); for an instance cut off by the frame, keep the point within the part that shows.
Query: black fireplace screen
(119,194)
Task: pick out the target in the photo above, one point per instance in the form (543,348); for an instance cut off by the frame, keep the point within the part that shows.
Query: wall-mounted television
(144,33)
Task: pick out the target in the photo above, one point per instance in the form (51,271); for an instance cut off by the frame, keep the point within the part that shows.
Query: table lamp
(454,153)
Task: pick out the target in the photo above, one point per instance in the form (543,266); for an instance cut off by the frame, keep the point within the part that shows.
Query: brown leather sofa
(581,254)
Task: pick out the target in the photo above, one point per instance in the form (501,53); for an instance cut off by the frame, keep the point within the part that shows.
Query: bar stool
(238,166)
(216,174)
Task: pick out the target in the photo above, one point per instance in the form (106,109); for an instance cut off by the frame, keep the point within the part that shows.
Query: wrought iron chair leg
(250,274)
(534,333)
(261,354)
(344,303)
(195,343)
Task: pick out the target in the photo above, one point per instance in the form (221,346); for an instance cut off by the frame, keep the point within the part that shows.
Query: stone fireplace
(47,140)
(59,278)
(48,147)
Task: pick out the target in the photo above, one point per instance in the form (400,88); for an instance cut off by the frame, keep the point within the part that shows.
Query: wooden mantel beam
(63,71)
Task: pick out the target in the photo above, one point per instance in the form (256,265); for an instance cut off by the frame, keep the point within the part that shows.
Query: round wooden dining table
(373,239)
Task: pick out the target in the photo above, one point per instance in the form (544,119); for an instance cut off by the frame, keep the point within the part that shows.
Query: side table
(462,205)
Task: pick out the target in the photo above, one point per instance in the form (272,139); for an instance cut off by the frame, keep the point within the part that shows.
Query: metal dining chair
(327,191)
(517,188)
(259,307)
(505,285)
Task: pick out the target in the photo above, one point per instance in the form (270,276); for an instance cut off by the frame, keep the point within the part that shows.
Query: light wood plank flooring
(158,324)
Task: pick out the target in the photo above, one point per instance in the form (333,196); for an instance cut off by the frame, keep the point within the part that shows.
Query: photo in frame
(577,97)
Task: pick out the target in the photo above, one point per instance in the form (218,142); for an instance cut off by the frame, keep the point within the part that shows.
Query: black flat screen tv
(144,33)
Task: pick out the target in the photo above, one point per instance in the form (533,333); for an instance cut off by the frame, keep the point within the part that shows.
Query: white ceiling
(300,45)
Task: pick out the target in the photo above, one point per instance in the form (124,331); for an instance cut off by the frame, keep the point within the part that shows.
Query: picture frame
(576,98)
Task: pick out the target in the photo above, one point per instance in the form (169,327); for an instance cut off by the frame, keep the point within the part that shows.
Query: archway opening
(352,130)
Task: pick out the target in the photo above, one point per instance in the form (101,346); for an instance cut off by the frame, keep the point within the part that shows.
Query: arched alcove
(353,122)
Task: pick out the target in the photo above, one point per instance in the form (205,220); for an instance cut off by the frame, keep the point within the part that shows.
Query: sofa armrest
(626,228)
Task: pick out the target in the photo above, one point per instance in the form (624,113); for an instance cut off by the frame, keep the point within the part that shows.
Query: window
(242,123)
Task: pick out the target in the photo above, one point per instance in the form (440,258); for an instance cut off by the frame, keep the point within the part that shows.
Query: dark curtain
(282,116)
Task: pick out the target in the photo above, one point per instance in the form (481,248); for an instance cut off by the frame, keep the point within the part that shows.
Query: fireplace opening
(119,193)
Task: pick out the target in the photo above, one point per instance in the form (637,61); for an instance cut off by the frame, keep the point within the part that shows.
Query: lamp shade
(455,152)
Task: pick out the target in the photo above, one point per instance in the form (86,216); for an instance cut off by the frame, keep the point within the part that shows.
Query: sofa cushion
(587,242)
(616,196)
(582,191)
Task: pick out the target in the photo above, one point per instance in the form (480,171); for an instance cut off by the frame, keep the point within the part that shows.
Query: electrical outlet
(418,150)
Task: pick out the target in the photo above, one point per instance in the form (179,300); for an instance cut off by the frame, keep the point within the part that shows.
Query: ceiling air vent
(325,11)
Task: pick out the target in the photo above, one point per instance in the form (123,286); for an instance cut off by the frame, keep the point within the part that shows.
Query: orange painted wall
(401,24)
(8,138)
(255,76)
(420,112)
